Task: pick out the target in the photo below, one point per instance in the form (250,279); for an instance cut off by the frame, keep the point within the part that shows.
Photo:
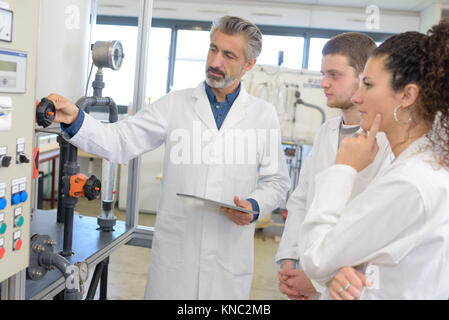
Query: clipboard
(216,203)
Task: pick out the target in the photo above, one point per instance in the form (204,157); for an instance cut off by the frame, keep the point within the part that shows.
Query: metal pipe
(54,259)
(98,83)
(323,115)
(70,168)
(68,232)
(106,220)
(73,154)
(63,155)
(85,103)
(62,264)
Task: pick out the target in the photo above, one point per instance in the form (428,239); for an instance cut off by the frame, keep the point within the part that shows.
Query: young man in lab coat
(220,144)
(344,58)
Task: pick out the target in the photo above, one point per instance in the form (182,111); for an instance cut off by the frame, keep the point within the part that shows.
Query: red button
(18,244)
(2,252)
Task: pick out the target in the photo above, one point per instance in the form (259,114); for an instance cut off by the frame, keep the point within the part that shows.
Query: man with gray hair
(200,251)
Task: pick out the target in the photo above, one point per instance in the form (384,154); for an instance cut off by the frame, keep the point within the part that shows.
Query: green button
(3,228)
(20,222)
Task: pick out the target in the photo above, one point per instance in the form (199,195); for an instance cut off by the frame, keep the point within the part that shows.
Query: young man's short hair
(356,46)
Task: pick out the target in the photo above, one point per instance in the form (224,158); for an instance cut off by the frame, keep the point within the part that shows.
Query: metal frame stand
(100,276)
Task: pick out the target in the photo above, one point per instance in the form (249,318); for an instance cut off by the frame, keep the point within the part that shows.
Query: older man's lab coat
(197,252)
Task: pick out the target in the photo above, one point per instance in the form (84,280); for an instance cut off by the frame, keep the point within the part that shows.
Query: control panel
(17,123)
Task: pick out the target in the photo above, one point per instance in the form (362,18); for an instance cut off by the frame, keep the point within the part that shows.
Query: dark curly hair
(413,57)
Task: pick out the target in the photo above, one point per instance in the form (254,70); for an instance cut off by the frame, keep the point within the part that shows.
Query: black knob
(23,158)
(92,188)
(5,161)
(45,112)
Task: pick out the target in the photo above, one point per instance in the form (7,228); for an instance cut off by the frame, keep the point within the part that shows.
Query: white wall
(279,14)
(63,48)
(329,17)
(431,15)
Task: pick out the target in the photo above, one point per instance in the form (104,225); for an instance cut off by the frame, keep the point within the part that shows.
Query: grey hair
(234,25)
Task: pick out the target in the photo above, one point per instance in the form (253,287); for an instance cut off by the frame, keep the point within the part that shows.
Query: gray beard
(226,82)
(219,84)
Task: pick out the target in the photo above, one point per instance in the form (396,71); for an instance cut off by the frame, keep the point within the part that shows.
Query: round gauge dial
(6,19)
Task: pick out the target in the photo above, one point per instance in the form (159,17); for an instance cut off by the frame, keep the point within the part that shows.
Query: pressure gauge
(108,54)
(83,270)
(6,19)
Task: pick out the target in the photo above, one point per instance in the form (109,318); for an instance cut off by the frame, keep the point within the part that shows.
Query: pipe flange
(39,244)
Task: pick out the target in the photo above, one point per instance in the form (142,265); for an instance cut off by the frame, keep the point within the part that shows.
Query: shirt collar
(230,98)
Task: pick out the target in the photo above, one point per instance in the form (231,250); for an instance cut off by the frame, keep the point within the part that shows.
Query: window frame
(175,25)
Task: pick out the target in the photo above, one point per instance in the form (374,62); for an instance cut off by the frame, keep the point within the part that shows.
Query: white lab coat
(197,252)
(322,156)
(398,226)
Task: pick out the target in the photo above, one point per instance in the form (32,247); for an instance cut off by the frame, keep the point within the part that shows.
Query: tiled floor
(129,264)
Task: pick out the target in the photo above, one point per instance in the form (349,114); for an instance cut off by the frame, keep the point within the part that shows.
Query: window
(315,53)
(186,68)
(191,54)
(119,84)
(158,60)
(291,48)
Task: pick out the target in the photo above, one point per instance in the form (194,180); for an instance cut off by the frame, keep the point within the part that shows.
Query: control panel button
(22,158)
(17,240)
(2,249)
(15,200)
(5,161)
(2,228)
(18,221)
(3,203)
(23,196)
(17,244)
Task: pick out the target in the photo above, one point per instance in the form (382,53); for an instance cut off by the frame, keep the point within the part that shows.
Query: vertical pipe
(71,168)
(63,155)
(68,233)
(53,174)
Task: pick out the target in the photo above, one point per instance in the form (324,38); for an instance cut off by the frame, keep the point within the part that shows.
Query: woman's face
(375,95)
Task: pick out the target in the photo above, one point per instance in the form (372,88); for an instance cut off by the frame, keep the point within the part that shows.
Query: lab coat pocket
(243,178)
(169,239)
(237,257)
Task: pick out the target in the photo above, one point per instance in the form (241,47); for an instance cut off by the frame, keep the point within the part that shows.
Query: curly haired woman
(397,230)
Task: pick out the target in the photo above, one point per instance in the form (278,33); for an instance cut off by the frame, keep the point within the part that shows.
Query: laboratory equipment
(105,54)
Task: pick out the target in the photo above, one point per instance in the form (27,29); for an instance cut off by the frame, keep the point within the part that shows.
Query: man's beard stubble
(225,82)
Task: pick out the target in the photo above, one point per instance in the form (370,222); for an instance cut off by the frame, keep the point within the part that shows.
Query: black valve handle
(92,188)
(45,113)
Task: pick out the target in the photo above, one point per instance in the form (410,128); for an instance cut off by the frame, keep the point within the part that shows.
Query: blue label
(14,53)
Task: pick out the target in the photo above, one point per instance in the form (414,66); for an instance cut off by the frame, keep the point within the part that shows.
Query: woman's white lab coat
(197,252)
(398,226)
(321,157)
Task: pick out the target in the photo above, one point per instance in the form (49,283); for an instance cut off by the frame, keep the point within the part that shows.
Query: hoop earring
(395,115)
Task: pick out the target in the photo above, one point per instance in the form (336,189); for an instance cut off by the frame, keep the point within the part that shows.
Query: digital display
(8,66)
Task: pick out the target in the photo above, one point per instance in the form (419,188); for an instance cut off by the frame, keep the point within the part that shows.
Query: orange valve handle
(77,183)
(81,185)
